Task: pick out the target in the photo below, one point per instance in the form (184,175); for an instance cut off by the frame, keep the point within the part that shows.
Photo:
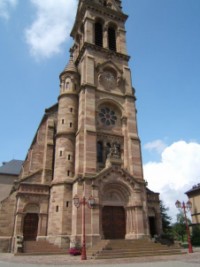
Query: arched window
(67,83)
(100,152)
(112,38)
(98,31)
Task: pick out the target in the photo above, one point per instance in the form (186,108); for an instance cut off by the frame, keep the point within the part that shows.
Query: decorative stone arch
(32,208)
(114,199)
(112,102)
(109,65)
(117,188)
(115,194)
(98,35)
(110,76)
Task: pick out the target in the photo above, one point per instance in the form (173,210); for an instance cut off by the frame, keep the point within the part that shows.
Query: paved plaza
(184,260)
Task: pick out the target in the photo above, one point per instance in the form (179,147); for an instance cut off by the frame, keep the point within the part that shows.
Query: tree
(179,228)
(166,219)
(196,235)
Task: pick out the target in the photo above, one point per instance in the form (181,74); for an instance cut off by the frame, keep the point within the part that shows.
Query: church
(86,153)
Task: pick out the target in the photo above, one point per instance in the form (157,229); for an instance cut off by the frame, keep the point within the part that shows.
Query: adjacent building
(9,172)
(194,196)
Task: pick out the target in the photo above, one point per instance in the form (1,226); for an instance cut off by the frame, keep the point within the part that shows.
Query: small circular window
(107,116)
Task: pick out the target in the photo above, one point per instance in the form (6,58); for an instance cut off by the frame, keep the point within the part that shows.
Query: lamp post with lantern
(186,206)
(90,203)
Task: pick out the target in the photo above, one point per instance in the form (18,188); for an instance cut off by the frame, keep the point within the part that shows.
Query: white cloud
(5,6)
(176,173)
(51,27)
(157,145)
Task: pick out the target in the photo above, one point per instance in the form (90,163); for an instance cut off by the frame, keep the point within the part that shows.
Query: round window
(107,116)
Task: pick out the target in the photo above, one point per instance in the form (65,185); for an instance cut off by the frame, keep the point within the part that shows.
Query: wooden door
(30,226)
(114,222)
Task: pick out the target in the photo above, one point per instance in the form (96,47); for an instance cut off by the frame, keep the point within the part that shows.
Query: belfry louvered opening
(112,38)
(99,34)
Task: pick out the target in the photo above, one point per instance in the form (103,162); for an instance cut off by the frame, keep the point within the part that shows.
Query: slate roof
(70,66)
(12,167)
(195,188)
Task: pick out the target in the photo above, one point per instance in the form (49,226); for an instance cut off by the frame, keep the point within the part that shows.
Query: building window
(112,38)
(67,85)
(63,121)
(98,34)
(107,117)
(70,125)
(69,157)
(71,110)
(57,208)
(68,173)
(100,152)
(61,153)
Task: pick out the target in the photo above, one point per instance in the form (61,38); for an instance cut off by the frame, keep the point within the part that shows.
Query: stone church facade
(86,145)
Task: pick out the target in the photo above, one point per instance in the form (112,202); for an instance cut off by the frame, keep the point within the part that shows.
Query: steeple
(70,67)
(99,24)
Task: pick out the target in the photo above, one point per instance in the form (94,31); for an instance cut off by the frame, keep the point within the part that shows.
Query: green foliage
(166,219)
(195,236)
(165,239)
(179,228)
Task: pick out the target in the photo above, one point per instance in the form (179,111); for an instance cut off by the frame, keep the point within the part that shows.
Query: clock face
(108,80)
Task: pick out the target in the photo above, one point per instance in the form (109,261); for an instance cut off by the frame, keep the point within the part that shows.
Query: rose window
(107,116)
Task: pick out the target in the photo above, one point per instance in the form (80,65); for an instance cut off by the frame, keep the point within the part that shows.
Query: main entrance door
(114,222)
(30,226)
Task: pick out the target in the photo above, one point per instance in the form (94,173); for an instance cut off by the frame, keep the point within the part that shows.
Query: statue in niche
(114,151)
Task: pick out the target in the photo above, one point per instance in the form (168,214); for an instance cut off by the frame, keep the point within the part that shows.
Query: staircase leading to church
(42,247)
(109,249)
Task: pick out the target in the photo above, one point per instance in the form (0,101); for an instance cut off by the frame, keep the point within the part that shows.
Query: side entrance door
(30,226)
(114,222)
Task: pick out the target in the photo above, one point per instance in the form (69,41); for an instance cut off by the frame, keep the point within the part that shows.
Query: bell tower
(97,148)
(106,97)
(108,164)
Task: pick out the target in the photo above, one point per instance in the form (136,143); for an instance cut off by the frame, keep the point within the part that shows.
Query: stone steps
(130,248)
(42,248)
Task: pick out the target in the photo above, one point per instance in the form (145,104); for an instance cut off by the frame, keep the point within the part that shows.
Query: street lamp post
(90,203)
(186,206)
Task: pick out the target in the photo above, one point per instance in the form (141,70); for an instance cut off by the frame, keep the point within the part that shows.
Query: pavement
(183,260)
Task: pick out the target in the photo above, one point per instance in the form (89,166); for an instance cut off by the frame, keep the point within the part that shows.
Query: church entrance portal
(30,226)
(113,222)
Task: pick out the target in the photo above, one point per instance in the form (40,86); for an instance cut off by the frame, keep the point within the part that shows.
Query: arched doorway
(30,227)
(152,226)
(113,222)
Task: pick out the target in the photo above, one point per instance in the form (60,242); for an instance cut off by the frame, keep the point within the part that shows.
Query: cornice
(108,53)
(67,94)
(65,133)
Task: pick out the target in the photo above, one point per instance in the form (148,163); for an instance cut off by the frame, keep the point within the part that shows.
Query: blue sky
(163,40)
